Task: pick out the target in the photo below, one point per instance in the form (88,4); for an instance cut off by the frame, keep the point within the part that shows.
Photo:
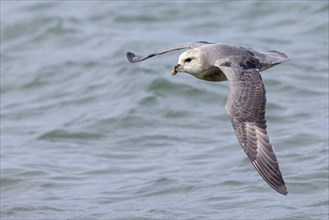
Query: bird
(246,102)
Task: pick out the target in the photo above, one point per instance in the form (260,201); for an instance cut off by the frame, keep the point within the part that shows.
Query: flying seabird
(241,67)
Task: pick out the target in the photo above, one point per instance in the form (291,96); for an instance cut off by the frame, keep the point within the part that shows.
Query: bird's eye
(188,60)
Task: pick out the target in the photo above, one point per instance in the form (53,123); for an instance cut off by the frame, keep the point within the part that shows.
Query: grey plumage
(246,109)
(246,101)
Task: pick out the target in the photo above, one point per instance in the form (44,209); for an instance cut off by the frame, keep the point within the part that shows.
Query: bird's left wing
(246,109)
(134,58)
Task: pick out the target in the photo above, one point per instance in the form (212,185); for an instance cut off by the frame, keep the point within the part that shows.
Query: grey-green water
(87,135)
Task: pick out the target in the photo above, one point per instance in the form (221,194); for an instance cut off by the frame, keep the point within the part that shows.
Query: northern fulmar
(241,67)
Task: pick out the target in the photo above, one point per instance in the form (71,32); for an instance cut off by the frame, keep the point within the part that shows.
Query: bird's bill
(177,68)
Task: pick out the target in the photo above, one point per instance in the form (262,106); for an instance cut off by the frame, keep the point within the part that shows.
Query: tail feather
(271,58)
(276,56)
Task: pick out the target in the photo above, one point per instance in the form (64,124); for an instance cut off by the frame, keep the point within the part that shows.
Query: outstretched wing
(134,58)
(246,109)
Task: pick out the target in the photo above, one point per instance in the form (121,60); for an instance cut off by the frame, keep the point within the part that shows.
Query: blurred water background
(87,135)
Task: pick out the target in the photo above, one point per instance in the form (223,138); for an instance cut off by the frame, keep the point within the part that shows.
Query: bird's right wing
(246,109)
(134,58)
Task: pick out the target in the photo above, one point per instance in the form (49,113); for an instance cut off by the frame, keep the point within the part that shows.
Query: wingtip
(130,57)
(275,181)
(282,190)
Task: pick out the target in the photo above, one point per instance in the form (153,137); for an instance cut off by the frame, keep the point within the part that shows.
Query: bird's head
(190,62)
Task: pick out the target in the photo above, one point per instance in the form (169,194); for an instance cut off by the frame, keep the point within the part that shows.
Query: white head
(191,61)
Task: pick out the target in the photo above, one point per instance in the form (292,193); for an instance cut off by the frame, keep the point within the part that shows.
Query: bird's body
(229,56)
(246,102)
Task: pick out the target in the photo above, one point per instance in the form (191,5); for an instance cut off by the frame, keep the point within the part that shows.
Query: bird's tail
(271,58)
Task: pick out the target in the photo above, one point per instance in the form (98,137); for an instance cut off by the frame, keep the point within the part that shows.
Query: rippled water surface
(87,135)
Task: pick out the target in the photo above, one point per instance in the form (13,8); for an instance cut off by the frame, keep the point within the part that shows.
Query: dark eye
(187,60)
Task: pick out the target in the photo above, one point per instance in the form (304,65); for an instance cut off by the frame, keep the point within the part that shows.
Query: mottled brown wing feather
(246,109)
